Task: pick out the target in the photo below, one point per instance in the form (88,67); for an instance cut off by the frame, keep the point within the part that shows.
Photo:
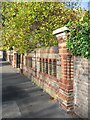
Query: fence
(57,72)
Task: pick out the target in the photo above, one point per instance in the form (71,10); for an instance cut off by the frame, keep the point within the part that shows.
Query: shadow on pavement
(5,63)
(13,93)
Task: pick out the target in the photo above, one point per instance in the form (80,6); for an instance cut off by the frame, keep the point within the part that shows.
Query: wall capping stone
(60,30)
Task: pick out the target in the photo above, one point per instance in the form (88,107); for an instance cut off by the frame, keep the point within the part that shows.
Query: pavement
(21,98)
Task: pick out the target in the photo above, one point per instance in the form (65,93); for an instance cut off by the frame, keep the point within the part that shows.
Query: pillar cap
(60,30)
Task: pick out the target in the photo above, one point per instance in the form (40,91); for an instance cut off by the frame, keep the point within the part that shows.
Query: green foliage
(30,25)
(79,41)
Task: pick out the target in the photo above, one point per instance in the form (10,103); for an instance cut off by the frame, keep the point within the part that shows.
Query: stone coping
(60,30)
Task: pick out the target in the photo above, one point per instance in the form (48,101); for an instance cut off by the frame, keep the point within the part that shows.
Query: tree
(30,25)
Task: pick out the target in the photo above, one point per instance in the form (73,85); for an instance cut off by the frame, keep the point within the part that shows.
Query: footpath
(23,99)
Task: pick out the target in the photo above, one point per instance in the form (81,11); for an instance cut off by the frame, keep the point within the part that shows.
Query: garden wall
(81,86)
(52,69)
(56,71)
(9,56)
(43,66)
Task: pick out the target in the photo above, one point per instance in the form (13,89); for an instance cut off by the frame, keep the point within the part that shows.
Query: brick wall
(52,70)
(55,70)
(9,56)
(43,67)
(81,85)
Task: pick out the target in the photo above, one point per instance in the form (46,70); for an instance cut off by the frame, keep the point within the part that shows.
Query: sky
(84,4)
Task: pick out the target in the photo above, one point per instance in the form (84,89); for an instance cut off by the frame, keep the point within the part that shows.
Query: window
(54,68)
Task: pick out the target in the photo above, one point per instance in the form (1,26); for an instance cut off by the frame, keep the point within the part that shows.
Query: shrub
(79,41)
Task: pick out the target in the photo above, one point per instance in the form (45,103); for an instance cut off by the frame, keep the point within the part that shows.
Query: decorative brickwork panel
(42,77)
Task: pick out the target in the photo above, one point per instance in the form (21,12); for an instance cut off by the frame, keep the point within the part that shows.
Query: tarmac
(21,98)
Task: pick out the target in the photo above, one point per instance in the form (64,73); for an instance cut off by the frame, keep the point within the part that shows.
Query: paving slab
(23,99)
(11,110)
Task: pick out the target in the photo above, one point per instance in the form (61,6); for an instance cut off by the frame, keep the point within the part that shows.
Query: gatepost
(65,94)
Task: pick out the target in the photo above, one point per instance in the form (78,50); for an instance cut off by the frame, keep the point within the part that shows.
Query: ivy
(79,41)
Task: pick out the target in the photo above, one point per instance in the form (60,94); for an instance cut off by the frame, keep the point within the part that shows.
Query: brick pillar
(65,93)
(14,59)
(8,56)
(38,67)
(21,63)
(59,68)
